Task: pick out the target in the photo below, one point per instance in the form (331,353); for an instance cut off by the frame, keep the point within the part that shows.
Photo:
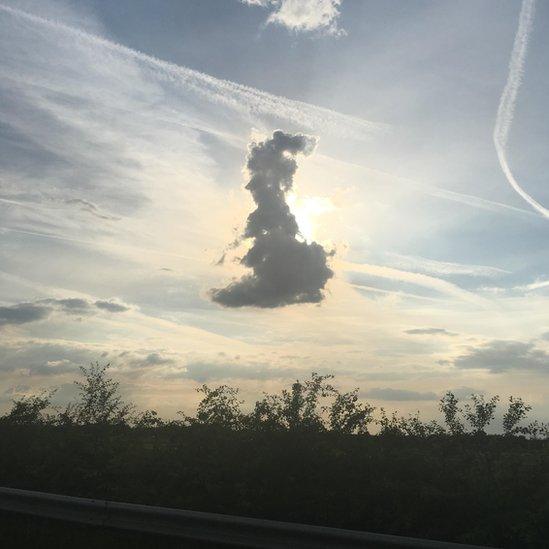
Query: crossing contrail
(507,102)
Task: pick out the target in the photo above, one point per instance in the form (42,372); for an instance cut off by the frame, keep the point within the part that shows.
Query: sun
(306,211)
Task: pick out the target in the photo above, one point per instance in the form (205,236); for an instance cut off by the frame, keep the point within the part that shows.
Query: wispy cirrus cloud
(533,286)
(436,267)
(419,279)
(222,92)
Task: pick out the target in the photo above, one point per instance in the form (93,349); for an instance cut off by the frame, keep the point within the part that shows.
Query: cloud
(111,306)
(444,194)
(532,287)
(386,393)
(22,313)
(203,372)
(303,15)
(466,392)
(53,358)
(45,358)
(429,331)
(418,279)
(286,270)
(503,355)
(71,305)
(221,92)
(435,267)
(153,359)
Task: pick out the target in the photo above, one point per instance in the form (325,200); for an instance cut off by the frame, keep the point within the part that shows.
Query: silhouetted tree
(415,427)
(297,408)
(480,413)
(348,415)
(67,415)
(537,430)
(516,412)
(389,426)
(219,406)
(147,420)
(301,406)
(267,414)
(448,405)
(28,410)
(100,401)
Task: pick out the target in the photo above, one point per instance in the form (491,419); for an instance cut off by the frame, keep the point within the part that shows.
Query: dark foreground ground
(485,490)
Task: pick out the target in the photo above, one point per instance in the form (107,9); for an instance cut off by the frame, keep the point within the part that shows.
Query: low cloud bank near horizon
(387,393)
(503,355)
(430,331)
(286,270)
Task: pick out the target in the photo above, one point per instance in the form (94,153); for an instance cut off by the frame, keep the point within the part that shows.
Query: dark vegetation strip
(302,456)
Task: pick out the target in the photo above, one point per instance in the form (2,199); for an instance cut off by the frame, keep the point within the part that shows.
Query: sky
(246,191)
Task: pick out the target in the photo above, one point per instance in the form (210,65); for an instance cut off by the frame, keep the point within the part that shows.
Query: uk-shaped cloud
(285,268)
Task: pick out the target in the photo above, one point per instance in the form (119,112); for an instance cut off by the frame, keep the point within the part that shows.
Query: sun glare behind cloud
(307,211)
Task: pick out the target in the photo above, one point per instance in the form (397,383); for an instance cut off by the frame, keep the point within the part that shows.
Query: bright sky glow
(125,129)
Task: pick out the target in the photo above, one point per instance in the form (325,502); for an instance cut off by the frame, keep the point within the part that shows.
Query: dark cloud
(503,355)
(430,331)
(71,305)
(23,313)
(286,269)
(111,306)
(54,367)
(386,393)
(45,358)
(155,359)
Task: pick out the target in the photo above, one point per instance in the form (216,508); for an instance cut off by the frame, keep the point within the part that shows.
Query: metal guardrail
(209,527)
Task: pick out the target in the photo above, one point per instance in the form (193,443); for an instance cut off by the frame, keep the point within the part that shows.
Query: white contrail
(506,108)
(225,92)
(419,279)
